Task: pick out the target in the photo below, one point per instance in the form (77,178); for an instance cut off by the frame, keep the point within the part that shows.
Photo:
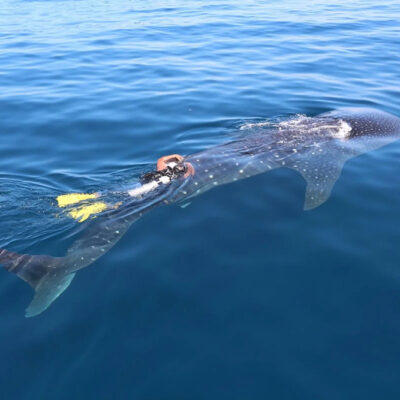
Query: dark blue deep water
(241,295)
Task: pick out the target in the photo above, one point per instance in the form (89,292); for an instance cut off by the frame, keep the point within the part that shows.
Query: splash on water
(303,125)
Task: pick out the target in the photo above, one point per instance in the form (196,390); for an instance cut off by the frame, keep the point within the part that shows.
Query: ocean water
(241,295)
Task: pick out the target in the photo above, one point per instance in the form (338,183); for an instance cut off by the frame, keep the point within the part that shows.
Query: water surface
(242,294)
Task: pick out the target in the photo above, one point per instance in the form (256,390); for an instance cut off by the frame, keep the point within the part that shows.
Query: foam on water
(303,125)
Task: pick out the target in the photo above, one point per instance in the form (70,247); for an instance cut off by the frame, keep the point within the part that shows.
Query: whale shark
(317,147)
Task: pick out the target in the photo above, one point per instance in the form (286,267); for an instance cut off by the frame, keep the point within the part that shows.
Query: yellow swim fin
(83,213)
(73,198)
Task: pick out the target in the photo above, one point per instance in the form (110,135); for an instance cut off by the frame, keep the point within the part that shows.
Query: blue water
(241,295)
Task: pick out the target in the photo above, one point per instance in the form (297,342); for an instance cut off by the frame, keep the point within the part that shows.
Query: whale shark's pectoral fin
(317,194)
(320,176)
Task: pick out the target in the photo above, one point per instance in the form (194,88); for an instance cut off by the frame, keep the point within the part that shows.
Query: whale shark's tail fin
(42,273)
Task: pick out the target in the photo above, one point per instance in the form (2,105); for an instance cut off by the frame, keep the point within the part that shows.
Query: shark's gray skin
(317,147)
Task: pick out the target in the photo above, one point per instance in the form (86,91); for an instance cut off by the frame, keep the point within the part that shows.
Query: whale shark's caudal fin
(42,272)
(47,291)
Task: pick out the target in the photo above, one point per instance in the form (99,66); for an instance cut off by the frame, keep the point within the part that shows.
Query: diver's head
(169,161)
(177,163)
(169,168)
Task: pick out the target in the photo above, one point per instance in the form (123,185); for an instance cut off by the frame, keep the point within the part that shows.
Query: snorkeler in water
(169,168)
